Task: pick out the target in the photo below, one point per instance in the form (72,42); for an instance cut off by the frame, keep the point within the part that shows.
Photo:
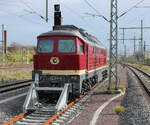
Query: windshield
(66,46)
(45,46)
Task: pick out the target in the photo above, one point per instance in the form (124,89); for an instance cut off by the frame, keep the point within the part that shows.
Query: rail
(5,84)
(132,68)
(144,72)
(14,85)
(53,117)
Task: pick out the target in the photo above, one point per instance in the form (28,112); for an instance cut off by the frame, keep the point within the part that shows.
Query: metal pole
(123,35)
(27,52)
(144,49)
(22,55)
(110,51)
(134,45)
(144,46)
(125,51)
(46,10)
(3,42)
(113,49)
(141,44)
(116,66)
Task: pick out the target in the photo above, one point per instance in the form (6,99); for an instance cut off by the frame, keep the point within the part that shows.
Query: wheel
(88,84)
(92,81)
(96,79)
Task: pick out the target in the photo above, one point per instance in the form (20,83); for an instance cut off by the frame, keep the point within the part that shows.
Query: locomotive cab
(58,53)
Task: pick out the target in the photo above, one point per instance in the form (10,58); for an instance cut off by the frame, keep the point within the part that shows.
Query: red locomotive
(69,55)
(68,61)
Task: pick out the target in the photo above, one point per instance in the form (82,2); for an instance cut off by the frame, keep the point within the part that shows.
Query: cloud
(72,12)
(12,7)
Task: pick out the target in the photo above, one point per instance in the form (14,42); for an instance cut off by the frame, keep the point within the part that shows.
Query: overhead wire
(141,1)
(9,4)
(21,17)
(12,4)
(99,14)
(31,11)
(90,5)
(29,7)
(142,7)
(81,17)
(132,20)
(135,6)
(76,13)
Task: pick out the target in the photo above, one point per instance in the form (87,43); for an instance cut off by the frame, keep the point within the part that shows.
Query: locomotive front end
(58,61)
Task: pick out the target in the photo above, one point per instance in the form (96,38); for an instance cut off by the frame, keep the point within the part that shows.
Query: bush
(119,109)
(14,55)
(111,91)
(122,87)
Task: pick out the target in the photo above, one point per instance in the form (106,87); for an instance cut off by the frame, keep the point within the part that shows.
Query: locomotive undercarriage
(55,91)
(93,78)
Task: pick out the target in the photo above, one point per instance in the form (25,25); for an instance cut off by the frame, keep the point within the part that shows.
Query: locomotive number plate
(51,78)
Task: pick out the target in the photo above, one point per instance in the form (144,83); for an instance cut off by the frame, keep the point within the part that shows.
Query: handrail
(62,102)
(28,98)
(31,94)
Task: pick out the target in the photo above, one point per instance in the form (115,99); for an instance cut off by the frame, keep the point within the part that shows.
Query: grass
(122,87)
(15,74)
(113,89)
(119,109)
(143,67)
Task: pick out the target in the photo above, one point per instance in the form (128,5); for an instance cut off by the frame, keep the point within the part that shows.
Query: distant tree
(14,47)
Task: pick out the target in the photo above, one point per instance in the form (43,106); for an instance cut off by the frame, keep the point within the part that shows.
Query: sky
(24,26)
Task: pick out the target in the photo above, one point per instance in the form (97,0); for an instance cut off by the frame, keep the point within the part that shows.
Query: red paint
(70,61)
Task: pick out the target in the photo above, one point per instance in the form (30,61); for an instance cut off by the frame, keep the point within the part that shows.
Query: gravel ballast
(137,109)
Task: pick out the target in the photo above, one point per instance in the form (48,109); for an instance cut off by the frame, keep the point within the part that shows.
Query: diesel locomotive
(68,61)
(69,55)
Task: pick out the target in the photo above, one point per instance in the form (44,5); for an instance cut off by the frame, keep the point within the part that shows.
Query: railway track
(142,76)
(14,68)
(50,116)
(14,85)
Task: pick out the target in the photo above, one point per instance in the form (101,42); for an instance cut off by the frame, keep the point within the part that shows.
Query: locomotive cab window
(66,46)
(81,49)
(45,46)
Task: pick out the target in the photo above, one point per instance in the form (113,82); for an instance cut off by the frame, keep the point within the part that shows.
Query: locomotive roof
(71,30)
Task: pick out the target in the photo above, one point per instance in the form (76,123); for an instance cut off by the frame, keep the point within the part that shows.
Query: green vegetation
(141,66)
(112,91)
(147,61)
(119,109)
(137,62)
(15,74)
(17,56)
(120,86)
